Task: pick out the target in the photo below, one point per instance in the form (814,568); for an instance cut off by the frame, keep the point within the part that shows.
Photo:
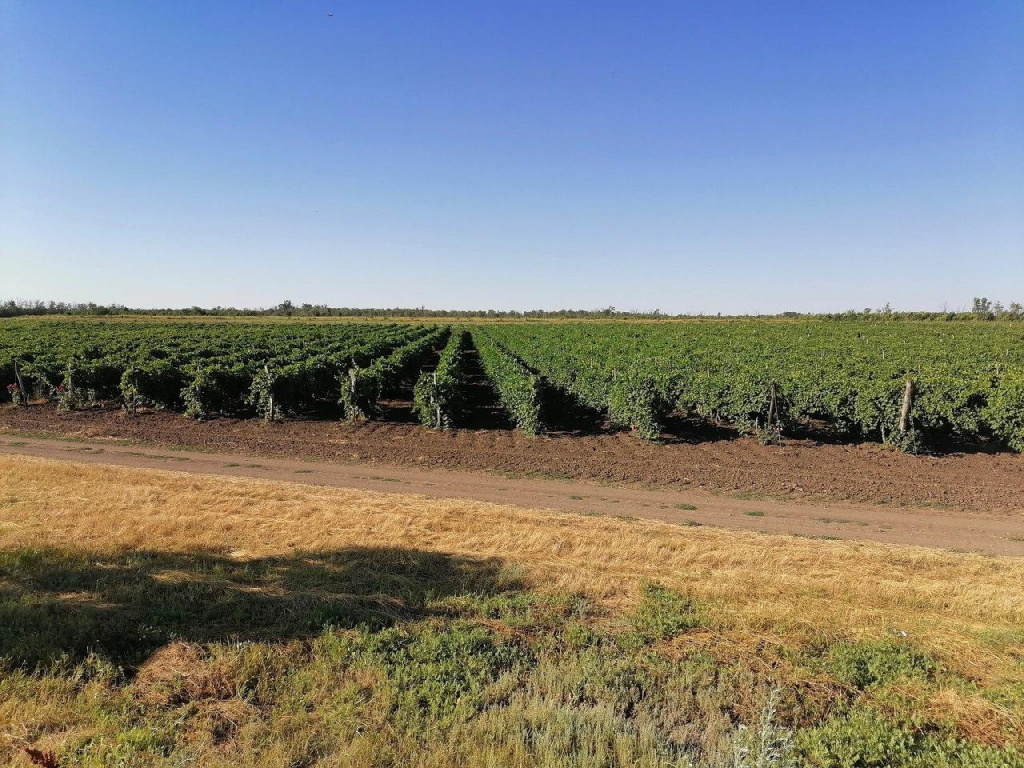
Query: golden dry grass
(97,557)
(965,609)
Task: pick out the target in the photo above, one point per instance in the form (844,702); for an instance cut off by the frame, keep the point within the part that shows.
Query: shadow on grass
(57,606)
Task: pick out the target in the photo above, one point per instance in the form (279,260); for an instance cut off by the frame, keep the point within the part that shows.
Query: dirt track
(1000,533)
(797,470)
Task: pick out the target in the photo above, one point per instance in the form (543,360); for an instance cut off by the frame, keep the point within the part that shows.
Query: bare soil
(971,501)
(797,470)
(1001,534)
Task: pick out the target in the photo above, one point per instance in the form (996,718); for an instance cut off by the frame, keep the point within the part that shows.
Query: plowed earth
(806,470)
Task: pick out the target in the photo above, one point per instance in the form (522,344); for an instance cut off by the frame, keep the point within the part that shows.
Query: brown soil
(1000,533)
(797,470)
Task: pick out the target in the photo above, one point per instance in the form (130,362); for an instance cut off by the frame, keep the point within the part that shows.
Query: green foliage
(637,401)
(214,363)
(848,376)
(1005,411)
(865,739)
(864,664)
(519,388)
(438,394)
(662,613)
(262,395)
(765,744)
(84,381)
(439,674)
(216,389)
(387,656)
(17,394)
(70,396)
(362,388)
(771,377)
(152,383)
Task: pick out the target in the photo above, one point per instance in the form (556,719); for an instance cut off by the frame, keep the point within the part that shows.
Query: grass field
(154,618)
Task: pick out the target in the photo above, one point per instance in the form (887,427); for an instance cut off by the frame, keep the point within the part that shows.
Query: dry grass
(770,610)
(966,609)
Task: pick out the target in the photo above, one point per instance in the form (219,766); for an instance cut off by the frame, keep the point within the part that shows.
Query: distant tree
(982,309)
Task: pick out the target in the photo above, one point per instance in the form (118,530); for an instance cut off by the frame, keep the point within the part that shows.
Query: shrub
(361,388)
(861,665)
(865,739)
(636,400)
(1005,411)
(766,745)
(18,397)
(437,396)
(154,383)
(261,395)
(216,389)
(519,389)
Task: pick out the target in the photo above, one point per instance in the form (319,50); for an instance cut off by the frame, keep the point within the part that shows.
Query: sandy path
(972,531)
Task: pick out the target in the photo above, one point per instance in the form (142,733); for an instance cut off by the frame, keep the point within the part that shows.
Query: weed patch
(866,664)
(662,613)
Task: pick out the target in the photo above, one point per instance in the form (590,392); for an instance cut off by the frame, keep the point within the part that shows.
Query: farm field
(511,385)
(916,385)
(511,543)
(584,395)
(160,618)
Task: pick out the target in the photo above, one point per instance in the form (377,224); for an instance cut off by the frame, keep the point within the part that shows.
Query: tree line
(982,309)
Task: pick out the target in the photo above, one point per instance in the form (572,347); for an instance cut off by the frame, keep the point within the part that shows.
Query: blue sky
(698,157)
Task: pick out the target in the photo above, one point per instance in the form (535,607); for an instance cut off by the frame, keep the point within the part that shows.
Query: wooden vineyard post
(352,410)
(270,409)
(772,408)
(437,405)
(908,404)
(21,385)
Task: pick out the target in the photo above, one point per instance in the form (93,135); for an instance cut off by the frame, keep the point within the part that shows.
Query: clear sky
(687,156)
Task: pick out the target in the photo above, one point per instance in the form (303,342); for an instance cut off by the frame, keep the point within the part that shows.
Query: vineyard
(213,368)
(907,384)
(910,384)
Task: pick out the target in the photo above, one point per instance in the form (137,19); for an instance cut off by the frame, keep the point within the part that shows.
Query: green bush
(662,613)
(154,383)
(439,673)
(438,394)
(865,739)
(637,401)
(1005,411)
(261,395)
(362,388)
(216,389)
(520,390)
(862,665)
(85,381)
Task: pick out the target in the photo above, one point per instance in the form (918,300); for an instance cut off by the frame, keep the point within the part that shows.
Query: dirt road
(798,470)
(995,533)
